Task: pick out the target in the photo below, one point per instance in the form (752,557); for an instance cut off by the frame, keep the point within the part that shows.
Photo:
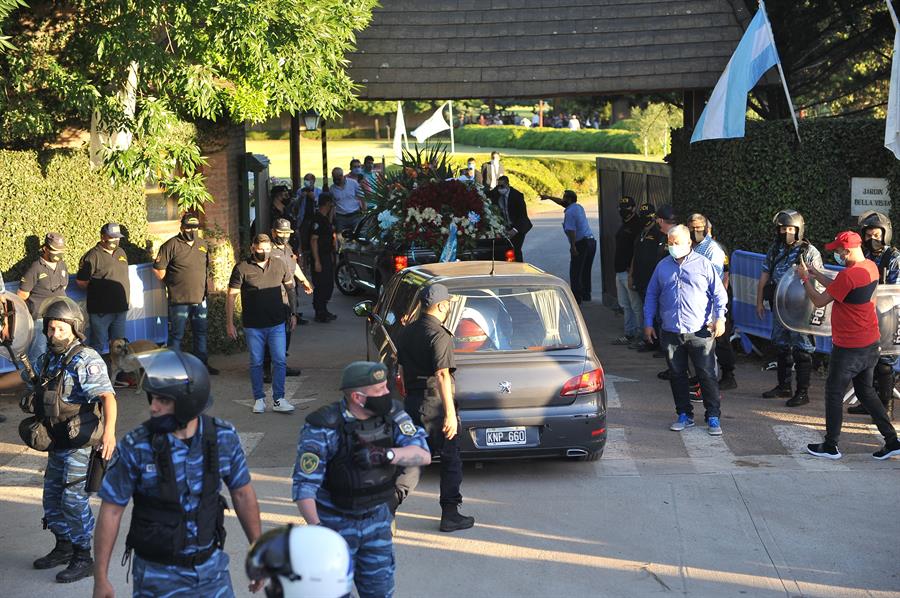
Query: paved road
(662,513)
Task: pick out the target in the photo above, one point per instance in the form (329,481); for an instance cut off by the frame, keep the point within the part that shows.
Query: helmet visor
(270,555)
(164,369)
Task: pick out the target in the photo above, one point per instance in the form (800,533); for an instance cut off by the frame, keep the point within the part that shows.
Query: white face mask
(679,251)
(495,161)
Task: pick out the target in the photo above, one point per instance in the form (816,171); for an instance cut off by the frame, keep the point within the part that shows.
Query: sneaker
(890,449)
(714,428)
(622,340)
(824,449)
(664,375)
(330,315)
(259,406)
(288,371)
(683,422)
(646,348)
(637,343)
(800,398)
(858,409)
(282,406)
(727,382)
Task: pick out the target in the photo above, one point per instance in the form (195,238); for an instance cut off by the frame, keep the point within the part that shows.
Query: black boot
(858,409)
(81,566)
(801,397)
(727,382)
(785,364)
(779,392)
(452,520)
(60,555)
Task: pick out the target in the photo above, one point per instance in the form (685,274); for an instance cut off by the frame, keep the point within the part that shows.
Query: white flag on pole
(892,128)
(434,124)
(400,134)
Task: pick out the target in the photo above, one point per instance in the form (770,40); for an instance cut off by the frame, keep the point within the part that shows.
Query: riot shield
(16,325)
(794,309)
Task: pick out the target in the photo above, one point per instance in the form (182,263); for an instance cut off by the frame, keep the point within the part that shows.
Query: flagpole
(762,7)
(452,142)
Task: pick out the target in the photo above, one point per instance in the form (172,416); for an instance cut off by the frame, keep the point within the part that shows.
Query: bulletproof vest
(69,425)
(158,529)
(351,487)
(884,262)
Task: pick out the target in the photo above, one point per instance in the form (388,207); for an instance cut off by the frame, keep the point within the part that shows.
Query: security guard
(69,387)
(347,460)
(425,355)
(173,466)
(46,277)
(103,273)
(794,348)
(876,232)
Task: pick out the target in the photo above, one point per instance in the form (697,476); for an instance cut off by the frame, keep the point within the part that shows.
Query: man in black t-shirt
(103,271)
(183,265)
(321,242)
(651,247)
(47,277)
(266,286)
(629,300)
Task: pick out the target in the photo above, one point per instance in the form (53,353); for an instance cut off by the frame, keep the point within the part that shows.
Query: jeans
(631,304)
(699,347)
(106,327)
(856,365)
(178,317)
(580,269)
(257,340)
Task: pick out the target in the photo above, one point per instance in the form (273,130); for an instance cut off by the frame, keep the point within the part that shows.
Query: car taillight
(400,262)
(399,384)
(510,255)
(586,383)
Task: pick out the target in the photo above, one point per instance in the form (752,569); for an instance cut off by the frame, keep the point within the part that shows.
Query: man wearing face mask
(629,300)
(492,171)
(183,265)
(74,409)
(471,173)
(856,340)
(349,204)
(103,271)
(266,286)
(426,359)
(173,466)
(47,277)
(876,232)
(321,244)
(347,459)
(512,208)
(687,294)
(794,348)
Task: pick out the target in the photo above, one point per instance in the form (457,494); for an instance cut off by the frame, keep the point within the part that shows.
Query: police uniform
(323,282)
(42,281)
(888,262)
(349,499)
(73,383)
(177,553)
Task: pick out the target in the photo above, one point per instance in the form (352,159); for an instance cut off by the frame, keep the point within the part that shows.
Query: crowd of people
(559,120)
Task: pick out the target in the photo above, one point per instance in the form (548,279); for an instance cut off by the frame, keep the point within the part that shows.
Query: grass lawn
(340,152)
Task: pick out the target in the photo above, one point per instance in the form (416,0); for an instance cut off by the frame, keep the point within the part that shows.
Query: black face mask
(379,405)
(58,346)
(875,246)
(189,235)
(261,256)
(787,238)
(698,235)
(281,239)
(162,424)
(625,213)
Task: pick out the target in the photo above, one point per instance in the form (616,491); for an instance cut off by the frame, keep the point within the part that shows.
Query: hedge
(56,190)
(535,175)
(601,141)
(741,184)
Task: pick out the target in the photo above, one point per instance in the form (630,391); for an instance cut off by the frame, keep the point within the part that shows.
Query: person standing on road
(347,460)
(266,287)
(582,245)
(629,300)
(795,349)
(425,356)
(183,265)
(321,244)
(46,277)
(173,466)
(646,214)
(687,294)
(856,340)
(512,207)
(350,206)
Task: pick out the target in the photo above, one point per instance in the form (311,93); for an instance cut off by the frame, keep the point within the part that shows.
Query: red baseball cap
(845,240)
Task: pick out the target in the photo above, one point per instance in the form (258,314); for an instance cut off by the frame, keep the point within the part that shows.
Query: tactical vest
(351,487)
(158,529)
(884,262)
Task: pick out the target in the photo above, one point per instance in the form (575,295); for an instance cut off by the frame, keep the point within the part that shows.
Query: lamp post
(310,122)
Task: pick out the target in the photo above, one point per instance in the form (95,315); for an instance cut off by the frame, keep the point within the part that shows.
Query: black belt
(357,516)
(188,561)
(591,237)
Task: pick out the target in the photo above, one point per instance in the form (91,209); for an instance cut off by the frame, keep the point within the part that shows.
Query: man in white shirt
(574,125)
(492,171)
(350,206)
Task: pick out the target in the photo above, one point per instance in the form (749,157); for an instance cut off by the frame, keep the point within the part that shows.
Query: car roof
(477,268)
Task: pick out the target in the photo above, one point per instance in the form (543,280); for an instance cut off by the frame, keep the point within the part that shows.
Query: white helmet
(307,561)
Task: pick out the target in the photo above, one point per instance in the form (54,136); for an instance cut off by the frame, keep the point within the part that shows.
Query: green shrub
(56,190)
(606,141)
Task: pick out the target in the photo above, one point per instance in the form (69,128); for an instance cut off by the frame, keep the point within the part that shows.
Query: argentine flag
(726,111)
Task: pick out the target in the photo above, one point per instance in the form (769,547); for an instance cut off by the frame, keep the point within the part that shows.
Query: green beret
(363,373)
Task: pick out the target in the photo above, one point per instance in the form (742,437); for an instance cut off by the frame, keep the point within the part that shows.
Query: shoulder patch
(122,258)
(94,369)
(408,428)
(42,275)
(309,462)
(202,248)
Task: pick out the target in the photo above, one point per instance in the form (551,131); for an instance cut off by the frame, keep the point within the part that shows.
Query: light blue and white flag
(449,252)
(725,113)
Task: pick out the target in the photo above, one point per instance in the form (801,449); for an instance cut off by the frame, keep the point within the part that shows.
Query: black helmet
(790,218)
(178,376)
(64,310)
(874,219)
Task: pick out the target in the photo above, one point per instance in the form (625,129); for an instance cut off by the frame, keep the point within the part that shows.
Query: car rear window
(512,318)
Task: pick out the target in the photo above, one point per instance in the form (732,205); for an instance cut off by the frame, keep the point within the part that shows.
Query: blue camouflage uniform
(133,469)
(368,534)
(888,263)
(66,509)
(785,259)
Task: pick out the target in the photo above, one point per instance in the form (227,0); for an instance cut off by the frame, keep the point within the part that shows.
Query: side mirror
(363,309)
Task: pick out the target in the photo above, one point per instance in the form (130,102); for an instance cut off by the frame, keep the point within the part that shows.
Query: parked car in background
(528,381)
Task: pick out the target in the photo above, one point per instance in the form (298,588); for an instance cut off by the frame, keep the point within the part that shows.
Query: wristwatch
(389,455)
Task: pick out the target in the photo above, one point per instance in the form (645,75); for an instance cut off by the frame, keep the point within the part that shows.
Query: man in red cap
(856,338)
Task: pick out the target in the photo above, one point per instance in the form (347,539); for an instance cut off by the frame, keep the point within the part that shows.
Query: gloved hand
(368,455)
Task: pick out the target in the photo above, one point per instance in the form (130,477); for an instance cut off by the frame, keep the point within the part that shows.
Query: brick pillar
(223,146)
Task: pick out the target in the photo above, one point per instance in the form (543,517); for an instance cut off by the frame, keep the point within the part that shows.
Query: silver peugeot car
(528,383)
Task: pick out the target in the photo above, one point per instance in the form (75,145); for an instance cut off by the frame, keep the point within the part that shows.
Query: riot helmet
(65,310)
(308,561)
(873,219)
(789,218)
(180,377)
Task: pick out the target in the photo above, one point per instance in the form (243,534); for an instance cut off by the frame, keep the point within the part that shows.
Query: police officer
(183,265)
(74,410)
(425,355)
(794,348)
(347,460)
(876,232)
(46,277)
(321,243)
(173,466)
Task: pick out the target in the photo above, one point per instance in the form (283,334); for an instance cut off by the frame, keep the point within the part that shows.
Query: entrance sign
(869,194)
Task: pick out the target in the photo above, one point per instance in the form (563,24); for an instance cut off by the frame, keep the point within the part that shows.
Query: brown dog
(121,360)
